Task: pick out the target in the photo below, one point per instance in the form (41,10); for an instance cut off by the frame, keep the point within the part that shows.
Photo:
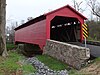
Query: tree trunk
(3,50)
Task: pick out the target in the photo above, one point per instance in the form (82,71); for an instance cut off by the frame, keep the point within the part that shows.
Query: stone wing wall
(73,55)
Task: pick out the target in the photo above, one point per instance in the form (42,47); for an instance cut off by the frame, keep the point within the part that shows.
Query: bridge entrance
(65,29)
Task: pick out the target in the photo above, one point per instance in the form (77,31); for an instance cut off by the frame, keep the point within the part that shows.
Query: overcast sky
(18,10)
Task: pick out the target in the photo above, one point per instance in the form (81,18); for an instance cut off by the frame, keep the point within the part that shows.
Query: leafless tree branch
(94,6)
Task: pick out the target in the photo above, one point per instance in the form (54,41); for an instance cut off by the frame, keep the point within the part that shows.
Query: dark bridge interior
(65,29)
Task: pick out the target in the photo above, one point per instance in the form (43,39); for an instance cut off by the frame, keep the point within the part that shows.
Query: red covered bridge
(63,24)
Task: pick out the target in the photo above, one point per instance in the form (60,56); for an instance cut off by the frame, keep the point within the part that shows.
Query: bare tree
(94,6)
(29,18)
(77,5)
(10,32)
(3,50)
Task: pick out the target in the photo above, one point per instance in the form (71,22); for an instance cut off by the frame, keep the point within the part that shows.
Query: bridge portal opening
(65,29)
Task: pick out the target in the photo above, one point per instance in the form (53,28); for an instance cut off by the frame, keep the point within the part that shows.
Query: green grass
(28,68)
(11,64)
(52,63)
(90,39)
(58,65)
(10,46)
(73,72)
(97,59)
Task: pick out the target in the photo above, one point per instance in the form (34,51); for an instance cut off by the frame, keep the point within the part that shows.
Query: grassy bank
(91,69)
(12,65)
(52,63)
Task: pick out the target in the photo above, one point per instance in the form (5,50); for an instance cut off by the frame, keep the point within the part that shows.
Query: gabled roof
(44,17)
(67,6)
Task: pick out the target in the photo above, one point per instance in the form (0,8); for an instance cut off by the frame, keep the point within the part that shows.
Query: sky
(18,10)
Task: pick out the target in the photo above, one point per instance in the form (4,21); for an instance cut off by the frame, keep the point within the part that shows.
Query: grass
(58,65)
(97,59)
(11,64)
(10,46)
(52,63)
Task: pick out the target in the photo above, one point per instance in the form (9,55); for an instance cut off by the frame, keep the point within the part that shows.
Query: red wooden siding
(34,34)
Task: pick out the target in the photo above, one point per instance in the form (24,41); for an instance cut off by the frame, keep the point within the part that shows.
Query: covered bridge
(63,24)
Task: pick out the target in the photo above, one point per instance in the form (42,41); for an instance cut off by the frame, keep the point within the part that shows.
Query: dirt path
(92,69)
